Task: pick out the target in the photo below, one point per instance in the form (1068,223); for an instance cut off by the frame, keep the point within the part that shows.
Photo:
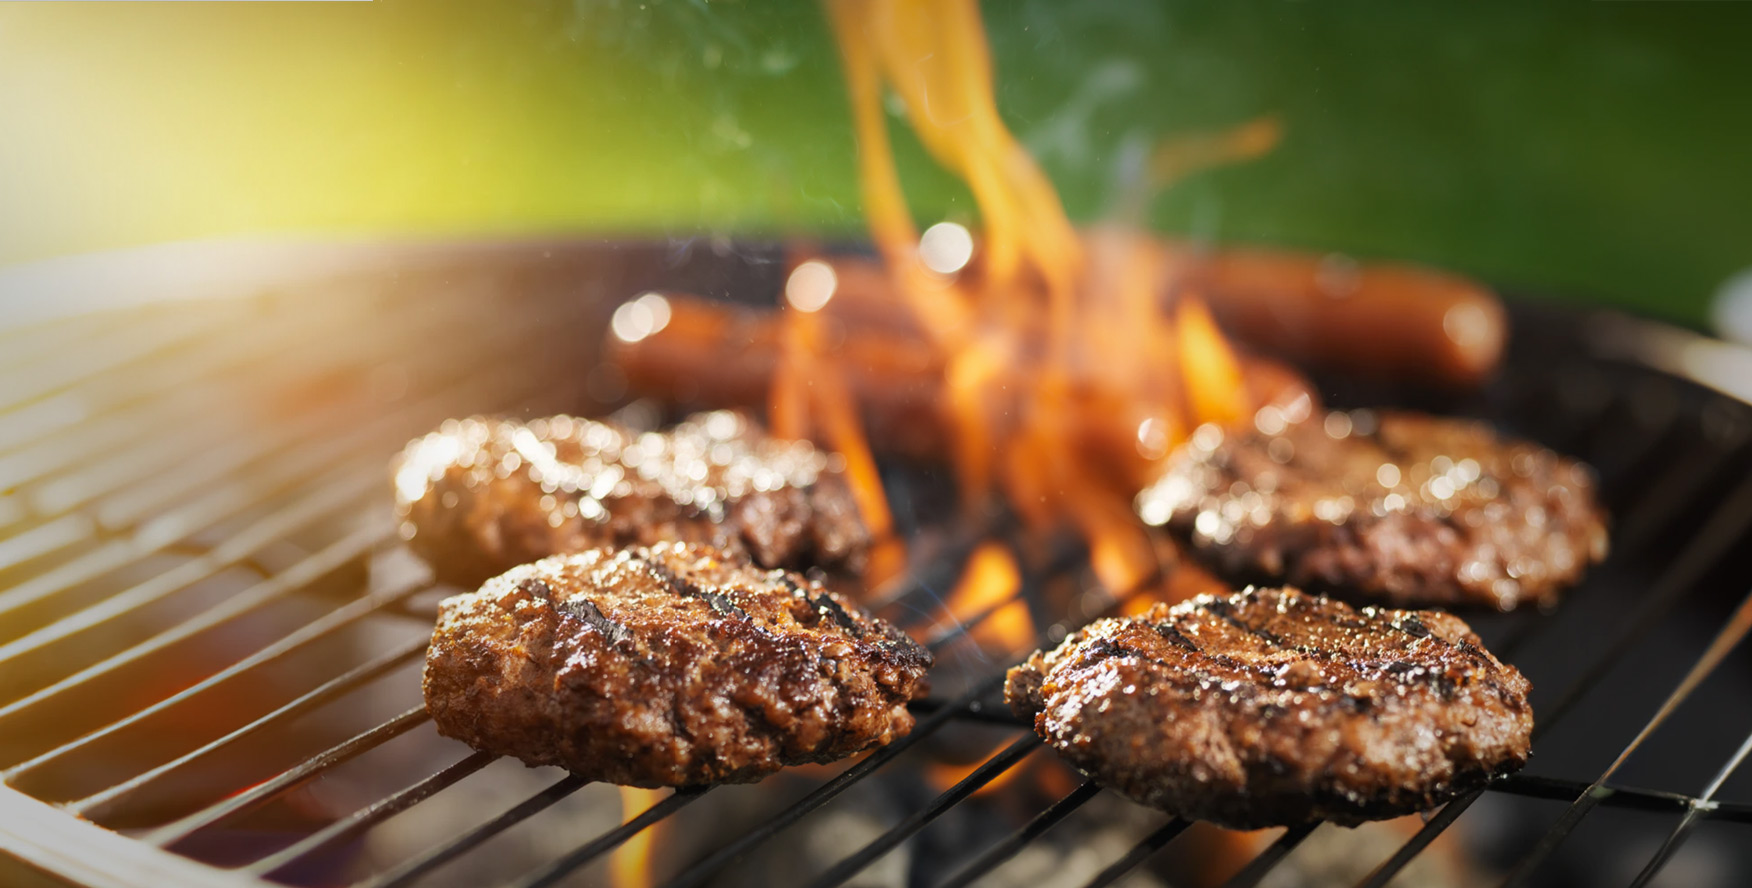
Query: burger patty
(1273,706)
(480,496)
(1400,507)
(667,666)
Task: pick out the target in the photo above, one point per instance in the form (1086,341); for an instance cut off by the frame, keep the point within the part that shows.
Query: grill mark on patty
(1399,669)
(471,519)
(717,601)
(825,602)
(578,608)
(1226,612)
(1413,627)
(1177,638)
(1122,679)
(1426,550)
(592,617)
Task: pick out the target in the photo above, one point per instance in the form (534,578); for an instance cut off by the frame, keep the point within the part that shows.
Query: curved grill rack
(198,572)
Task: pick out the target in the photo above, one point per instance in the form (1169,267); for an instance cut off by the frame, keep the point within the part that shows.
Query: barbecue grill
(210,635)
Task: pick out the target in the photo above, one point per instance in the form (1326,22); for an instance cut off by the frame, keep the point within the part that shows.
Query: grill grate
(148,456)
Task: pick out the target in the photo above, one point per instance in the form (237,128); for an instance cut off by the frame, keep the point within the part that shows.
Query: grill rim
(1650,345)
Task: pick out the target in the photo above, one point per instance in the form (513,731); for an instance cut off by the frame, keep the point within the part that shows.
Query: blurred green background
(1596,150)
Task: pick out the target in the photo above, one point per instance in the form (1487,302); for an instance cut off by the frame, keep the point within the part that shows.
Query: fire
(943,775)
(1056,353)
(809,384)
(1187,579)
(990,581)
(630,864)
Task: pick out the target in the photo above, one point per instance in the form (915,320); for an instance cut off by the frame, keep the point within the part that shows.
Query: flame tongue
(630,864)
(1012,370)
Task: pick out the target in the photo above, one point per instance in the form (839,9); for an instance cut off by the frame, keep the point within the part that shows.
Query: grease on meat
(1274,707)
(667,666)
(480,496)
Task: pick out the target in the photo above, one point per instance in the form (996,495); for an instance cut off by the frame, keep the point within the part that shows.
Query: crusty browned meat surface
(1399,507)
(1273,707)
(480,496)
(667,666)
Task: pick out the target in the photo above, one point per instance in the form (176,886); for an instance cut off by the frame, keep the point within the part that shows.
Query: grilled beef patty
(1400,507)
(667,666)
(481,496)
(1273,706)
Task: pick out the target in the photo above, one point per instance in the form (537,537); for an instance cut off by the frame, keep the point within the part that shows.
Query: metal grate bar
(26,345)
(111,472)
(1512,643)
(1724,642)
(1142,851)
(174,390)
(168,371)
(1613,464)
(1683,828)
(1731,812)
(335,755)
(1557,789)
(122,508)
(319,564)
(96,805)
(11,510)
(976,711)
(46,538)
(321,440)
(187,411)
(1724,528)
(918,820)
(611,840)
(969,701)
(996,856)
(1676,489)
(1417,843)
(456,846)
(211,507)
(333,621)
(327,500)
(940,640)
(1274,854)
(702,870)
(323,444)
(912,581)
(224,502)
(579,859)
(1553,789)
(42,417)
(371,815)
(145,496)
(183,386)
(128,344)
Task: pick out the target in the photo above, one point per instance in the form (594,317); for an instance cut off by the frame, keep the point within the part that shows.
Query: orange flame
(1186,580)
(991,581)
(807,385)
(943,775)
(630,864)
(1018,379)
(1048,774)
